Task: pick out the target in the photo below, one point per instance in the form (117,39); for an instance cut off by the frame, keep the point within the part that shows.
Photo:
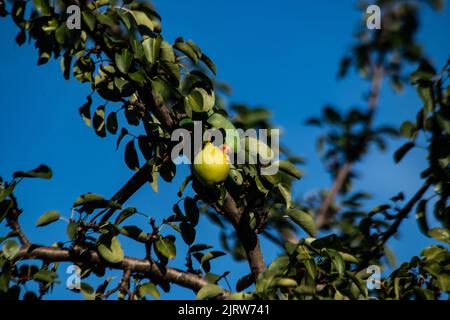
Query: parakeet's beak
(225,148)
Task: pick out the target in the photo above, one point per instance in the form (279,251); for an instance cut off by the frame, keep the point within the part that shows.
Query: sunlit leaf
(47,218)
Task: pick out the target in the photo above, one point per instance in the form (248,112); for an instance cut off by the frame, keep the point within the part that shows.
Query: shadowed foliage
(150,88)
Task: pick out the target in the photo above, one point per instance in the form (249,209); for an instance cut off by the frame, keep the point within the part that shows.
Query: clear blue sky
(280,54)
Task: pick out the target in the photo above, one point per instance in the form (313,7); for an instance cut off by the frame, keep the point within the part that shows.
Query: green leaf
(60,34)
(427,98)
(336,260)
(209,63)
(167,171)
(106,19)
(187,50)
(88,19)
(98,121)
(42,172)
(213,278)
(138,76)
(6,192)
(124,86)
(123,133)
(134,232)
(83,69)
(85,111)
(4,208)
(201,100)
(289,168)
(91,201)
(331,115)
(443,282)
(183,185)
(132,115)
(110,248)
(210,256)
(304,220)
(199,247)
(5,278)
(285,282)
(278,265)
(263,281)
(87,291)
(286,194)
(358,282)
(162,90)
(125,16)
(72,230)
(421,216)
(111,123)
(48,276)
(173,71)
(151,48)
(166,52)
(88,198)
(245,282)
(123,60)
(331,241)
(18,11)
(143,20)
(102,288)
(187,232)
(425,71)
(390,257)
(274,179)
(42,6)
(440,234)
(154,180)
(305,290)
(191,210)
(166,247)
(131,156)
(66,63)
(260,185)
(407,129)
(149,288)
(10,249)
(444,119)
(209,291)
(47,218)
(146,148)
(125,214)
(348,257)
(402,151)
(236,176)
(310,265)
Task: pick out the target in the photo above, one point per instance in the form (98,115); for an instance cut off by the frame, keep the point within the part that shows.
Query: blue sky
(283,55)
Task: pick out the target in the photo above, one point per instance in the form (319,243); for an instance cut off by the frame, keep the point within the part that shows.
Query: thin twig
(79,254)
(324,216)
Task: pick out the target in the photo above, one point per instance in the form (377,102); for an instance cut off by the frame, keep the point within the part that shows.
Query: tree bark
(323,216)
(79,254)
(240,221)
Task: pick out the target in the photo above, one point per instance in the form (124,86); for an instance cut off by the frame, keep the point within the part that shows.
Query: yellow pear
(211,165)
